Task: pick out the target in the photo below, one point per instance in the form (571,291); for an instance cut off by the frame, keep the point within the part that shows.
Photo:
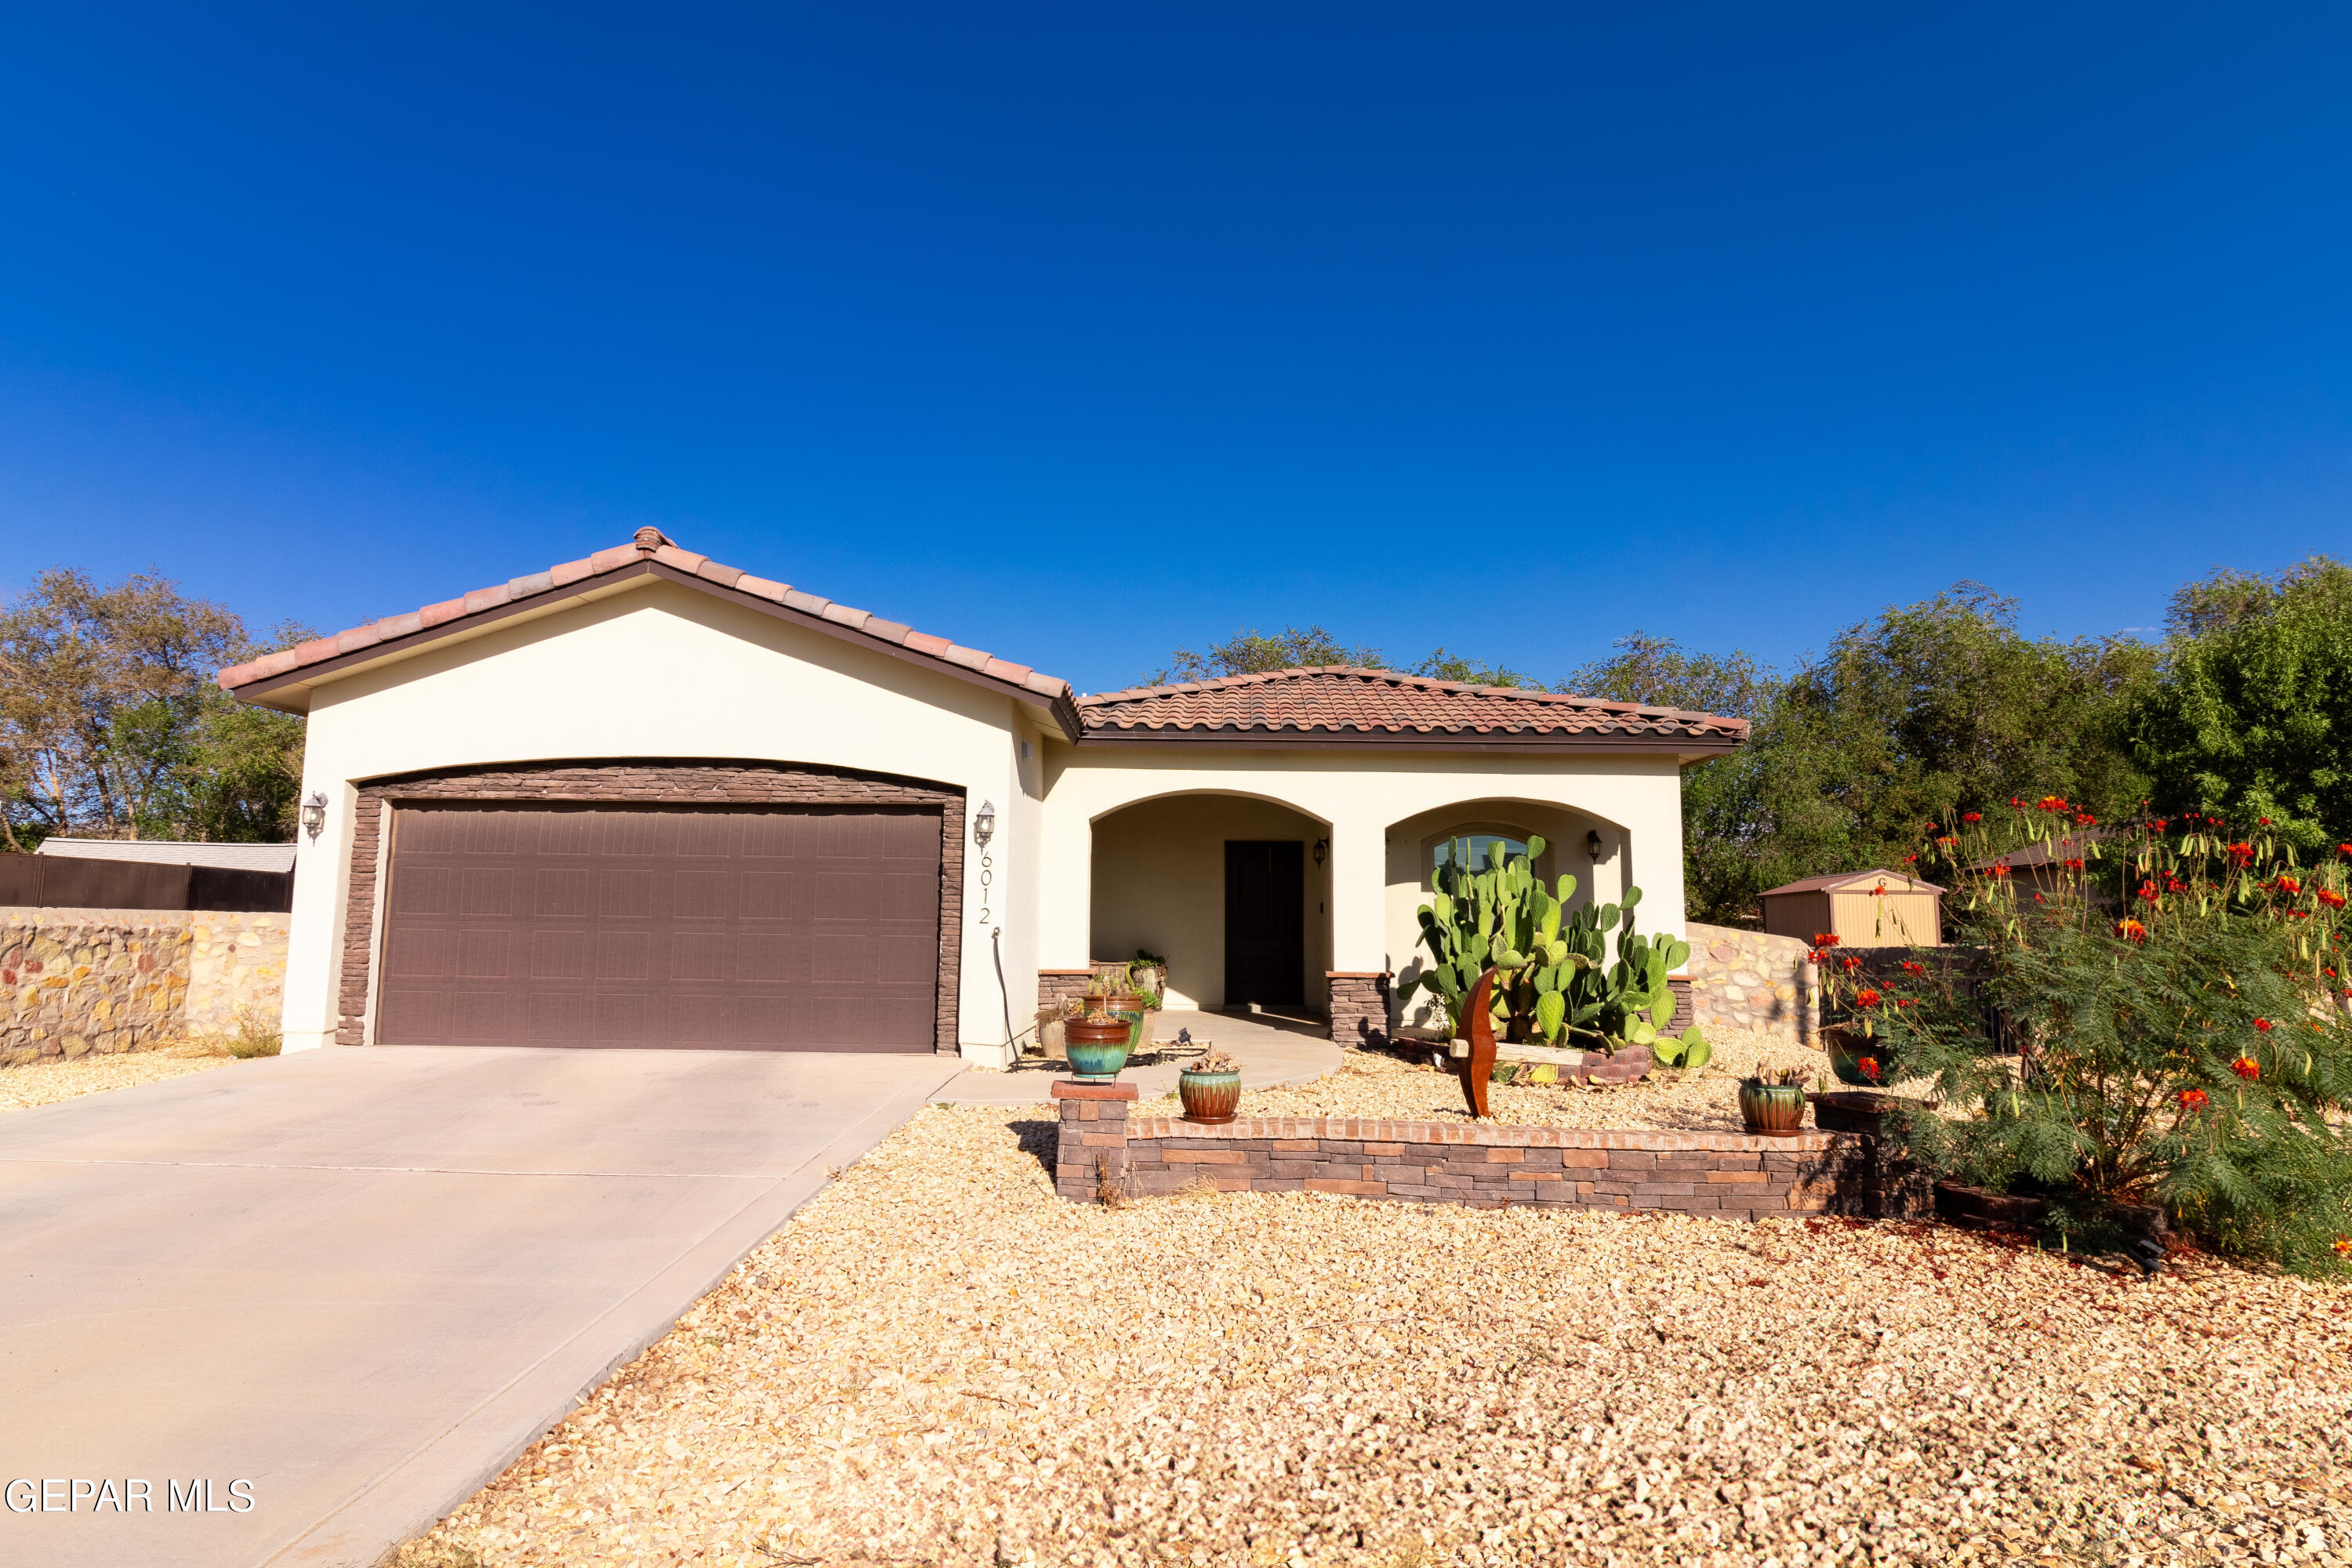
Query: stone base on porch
(1359,1007)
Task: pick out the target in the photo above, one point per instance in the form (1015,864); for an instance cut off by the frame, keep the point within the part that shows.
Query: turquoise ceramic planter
(1097,1051)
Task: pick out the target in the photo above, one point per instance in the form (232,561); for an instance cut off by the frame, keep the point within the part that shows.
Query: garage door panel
(753,928)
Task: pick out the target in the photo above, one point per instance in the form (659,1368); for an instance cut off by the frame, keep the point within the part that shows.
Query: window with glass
(1474,847)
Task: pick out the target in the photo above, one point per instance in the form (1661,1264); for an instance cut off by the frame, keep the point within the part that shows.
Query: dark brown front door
(1266,921)
(805,928)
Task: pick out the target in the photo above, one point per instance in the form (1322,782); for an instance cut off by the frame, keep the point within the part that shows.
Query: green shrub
(2179,1000)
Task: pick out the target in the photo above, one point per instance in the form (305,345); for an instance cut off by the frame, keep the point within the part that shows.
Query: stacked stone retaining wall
(77,980)
(1750,980)
(1103,1152)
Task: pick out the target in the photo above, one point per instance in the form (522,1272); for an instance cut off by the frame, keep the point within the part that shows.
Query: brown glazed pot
(1210,1099)
(1771,1110)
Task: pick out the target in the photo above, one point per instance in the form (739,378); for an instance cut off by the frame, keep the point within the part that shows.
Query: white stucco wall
(1159,883)
(663,671)
(1368,798)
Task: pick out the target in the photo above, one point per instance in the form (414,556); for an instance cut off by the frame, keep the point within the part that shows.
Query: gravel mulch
(939,1361)
(1368,1083)
(46,1083)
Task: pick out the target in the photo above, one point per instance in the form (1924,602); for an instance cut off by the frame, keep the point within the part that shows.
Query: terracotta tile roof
(651,551)
(1337,702)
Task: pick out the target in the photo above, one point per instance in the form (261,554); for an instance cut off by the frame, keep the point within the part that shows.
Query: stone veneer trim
(641,782)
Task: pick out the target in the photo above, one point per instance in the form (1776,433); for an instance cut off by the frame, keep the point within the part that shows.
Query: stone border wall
(645,783)
(1750,980)
(1728,1174)
(77,980)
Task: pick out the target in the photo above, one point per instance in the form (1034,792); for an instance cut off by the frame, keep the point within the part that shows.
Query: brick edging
(1729,1174)
(646,782)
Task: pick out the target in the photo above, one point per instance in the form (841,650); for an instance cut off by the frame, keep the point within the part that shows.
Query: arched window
(1474,847)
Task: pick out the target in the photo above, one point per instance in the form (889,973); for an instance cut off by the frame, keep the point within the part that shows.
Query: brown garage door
(804,928)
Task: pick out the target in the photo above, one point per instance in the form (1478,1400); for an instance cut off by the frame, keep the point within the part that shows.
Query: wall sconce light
(1322,848)
(314,815)
(983,827)
(1593,846)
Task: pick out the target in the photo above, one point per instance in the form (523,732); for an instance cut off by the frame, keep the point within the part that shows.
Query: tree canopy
(110,724)
(2254,709)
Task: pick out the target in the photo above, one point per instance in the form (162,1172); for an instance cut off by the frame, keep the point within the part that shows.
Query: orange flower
(2001,868)
(2263,1025)
(1911,968)
(2192,1100)
(2344,1247)
(2333,901)
(2247,1067)
(2288,884)
(1826,939)
(2131,930)
(1972,817)
(1866,997)
(2241,854)
(1869,1067)
(2053,802)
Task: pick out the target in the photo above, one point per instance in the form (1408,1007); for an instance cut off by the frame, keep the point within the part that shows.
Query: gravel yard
(1374,1085)
(939,1362)
(46,1083)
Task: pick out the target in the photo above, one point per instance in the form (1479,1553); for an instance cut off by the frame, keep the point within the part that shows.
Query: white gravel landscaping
(939,1361)
(46,1082)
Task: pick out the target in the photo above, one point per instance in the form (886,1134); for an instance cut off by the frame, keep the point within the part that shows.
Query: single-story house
(643,799)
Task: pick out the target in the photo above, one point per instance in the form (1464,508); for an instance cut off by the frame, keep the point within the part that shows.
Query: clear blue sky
(1076,333)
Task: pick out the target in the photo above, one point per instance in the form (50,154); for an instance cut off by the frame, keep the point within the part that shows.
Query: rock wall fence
(1748,980)
(76,981)
(1102,1152)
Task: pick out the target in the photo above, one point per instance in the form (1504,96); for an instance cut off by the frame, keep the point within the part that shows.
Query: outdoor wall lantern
(1322,848)
(983,827)
(1592,846)
(314,815)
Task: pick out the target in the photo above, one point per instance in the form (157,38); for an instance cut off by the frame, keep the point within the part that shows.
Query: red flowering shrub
(2195,1052)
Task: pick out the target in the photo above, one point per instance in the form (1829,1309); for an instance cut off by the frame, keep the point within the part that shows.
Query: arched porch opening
(1416,843)
(1233,891)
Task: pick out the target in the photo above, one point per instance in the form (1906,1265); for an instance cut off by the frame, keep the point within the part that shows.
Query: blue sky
(1079,332)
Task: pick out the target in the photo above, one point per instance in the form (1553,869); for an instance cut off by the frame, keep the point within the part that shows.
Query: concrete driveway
(363,1280)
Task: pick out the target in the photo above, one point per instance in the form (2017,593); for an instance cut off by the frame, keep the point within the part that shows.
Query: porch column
(1360,891)
(1064,889)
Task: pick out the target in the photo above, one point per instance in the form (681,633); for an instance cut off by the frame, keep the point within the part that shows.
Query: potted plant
(1210,1087)
(1772,1102)
(1096,1039)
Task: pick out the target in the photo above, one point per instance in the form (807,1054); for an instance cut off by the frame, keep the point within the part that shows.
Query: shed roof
(1844,882)
(175,852)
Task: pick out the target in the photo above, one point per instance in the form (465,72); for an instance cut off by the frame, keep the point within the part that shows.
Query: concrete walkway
(1272,1049)
(364,1280)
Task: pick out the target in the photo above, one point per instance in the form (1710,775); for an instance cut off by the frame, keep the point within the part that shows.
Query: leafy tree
(1656,671)
(110,724)
(1252,652)
(1443,666)
(1297,647)
(1928,710)
(2253,710)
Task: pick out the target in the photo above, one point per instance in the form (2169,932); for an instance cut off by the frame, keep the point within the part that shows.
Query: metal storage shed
(1865,909)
